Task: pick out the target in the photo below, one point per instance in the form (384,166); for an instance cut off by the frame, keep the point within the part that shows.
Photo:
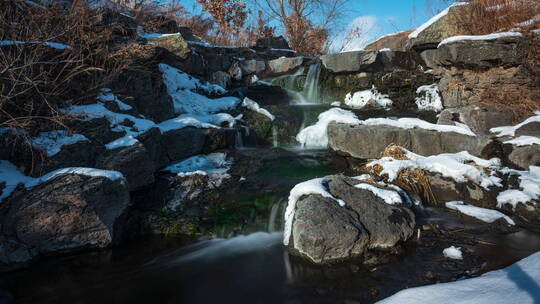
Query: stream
(246,261)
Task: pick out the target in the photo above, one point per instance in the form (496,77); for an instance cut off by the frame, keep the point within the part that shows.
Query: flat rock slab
(361,141)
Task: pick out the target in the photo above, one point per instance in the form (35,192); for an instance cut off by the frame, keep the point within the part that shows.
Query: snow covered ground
(52,142)
(254,106)
(518,283)
(480,37)
(529,184)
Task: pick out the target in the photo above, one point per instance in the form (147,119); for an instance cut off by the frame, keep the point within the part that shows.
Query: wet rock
(285,65)
(323,231)
(133,161)
(395,42)
(174,43)
(480,118)
(66,213)
(362,141)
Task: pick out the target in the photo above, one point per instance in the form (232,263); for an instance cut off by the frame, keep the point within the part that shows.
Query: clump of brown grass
(412,180)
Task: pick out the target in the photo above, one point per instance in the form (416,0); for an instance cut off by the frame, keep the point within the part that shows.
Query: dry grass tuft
(413,181)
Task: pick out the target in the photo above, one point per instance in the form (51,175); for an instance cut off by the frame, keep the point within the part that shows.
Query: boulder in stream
(338,217)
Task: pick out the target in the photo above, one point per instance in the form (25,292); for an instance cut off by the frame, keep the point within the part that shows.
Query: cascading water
(311,86)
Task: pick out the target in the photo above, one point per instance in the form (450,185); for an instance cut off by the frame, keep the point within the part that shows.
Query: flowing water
(247,263)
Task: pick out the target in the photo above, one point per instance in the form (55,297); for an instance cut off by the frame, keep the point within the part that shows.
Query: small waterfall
(311,87)
(275,140)
(238,139)
(277,213)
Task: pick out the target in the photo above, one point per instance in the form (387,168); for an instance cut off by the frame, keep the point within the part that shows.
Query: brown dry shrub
(413,181)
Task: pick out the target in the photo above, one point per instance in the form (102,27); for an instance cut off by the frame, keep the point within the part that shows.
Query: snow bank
(511,130)
(203,121)
(447,164)
(54,45)
(453,253)
(480,37)
(485,215)
(315,135)
(524,141)
(390,197)
(517,283)
(529,185)
(53,141)
(429,99)
(411,123)
(254,106)
(366,98)
(180,87)
(201,164)
(12,177)
(116,121)
(432,20)
(314,186)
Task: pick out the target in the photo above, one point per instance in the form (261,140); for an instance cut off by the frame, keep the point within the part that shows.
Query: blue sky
(380,17)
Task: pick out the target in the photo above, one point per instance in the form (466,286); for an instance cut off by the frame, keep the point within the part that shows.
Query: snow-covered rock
(368,99)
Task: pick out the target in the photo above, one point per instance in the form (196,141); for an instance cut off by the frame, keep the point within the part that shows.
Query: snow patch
(480,37)
(254,106)
(529,185)
(180,87)
(53,141)
(411,123)
(107,96)
(483,214)
(315,135)
(371,98)
(314,186)
(203,121)
(429,99)
(524,141)
(214,163)
(390,197)
(511,130)
(517,283)
(453,253)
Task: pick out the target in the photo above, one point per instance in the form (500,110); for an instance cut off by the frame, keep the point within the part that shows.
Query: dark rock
(266,95)
(272,43)
(479,54)
(133,161)
(325,232)
(522,157)
(447,190)
(221,78)
(66,213)
(186,142)
(151,140)
(362,141)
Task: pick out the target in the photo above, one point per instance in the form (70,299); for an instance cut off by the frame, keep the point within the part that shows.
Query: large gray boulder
(362,141)
(285,65)
(66,213)
(323,231)
(348,62)
(480,118)
(252,66)
(479,54)
(522,157)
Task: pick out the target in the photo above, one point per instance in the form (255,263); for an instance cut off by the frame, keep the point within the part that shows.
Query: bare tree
(307,24)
